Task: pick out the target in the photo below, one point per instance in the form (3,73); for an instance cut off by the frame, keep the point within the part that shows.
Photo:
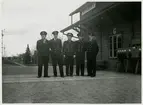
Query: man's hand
(74,56)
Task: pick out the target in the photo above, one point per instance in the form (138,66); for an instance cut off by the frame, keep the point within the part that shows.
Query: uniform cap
(43,33)
(55,32)
(70,34)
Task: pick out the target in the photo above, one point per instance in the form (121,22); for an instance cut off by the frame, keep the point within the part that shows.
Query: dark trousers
(80,58)
(57,59)
(69,60)
(43,60)
(80,68)
(91,65)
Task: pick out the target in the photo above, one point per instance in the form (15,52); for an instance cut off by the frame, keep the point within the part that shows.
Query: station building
(115,25)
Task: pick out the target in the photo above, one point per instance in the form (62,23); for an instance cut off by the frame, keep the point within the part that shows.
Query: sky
(24,19)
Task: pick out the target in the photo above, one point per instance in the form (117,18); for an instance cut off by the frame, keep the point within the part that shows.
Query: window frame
(112,43)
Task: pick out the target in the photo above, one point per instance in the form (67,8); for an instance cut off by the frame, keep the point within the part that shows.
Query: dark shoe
(82,75)
(92,75)
(55,75)
(46,76)
(62,76)
(77,74)
(38,77)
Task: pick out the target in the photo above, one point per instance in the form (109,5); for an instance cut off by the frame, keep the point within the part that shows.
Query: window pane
(110,46)
(115,42)
(119,42)
(119,45)
(110,53)
(119,38)
(114,38)
(115,53)
(110,40)
(114,45)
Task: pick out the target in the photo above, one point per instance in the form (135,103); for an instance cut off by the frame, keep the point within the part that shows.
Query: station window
(115,42)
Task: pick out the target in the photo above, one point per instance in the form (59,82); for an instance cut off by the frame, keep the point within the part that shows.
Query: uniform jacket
(92,47)
(80,46)
(43,48)
(69,48)
(80,49)
(56,46)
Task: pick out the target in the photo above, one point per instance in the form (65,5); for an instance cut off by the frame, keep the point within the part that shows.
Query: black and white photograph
(71,51)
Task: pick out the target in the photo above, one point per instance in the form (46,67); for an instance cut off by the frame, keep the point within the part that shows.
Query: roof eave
(78,9)
(70,27)
(83,21)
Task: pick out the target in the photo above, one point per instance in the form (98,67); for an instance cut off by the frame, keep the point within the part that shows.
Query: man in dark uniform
(80,55)
(56,54)
(92,51)
(68,50)
(43,54)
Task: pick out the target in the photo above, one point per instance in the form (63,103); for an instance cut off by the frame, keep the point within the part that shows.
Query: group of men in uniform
(65,54)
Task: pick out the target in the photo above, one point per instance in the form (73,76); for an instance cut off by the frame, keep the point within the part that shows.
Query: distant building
(115,24)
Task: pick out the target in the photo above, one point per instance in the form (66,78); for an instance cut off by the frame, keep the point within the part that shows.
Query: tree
(21,58)
(34,57)
(27,57)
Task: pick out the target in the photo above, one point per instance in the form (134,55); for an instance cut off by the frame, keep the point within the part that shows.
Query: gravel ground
(105,90)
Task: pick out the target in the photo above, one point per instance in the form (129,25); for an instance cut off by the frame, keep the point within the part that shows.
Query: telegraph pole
(2,40)
(3,48)
(2,31)
(4,51)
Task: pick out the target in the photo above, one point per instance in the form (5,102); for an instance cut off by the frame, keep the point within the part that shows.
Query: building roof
(91,17)
(81,8)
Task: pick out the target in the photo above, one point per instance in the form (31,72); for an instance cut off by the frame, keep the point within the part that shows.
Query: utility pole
(4,51)
(2,42)
(2,33)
